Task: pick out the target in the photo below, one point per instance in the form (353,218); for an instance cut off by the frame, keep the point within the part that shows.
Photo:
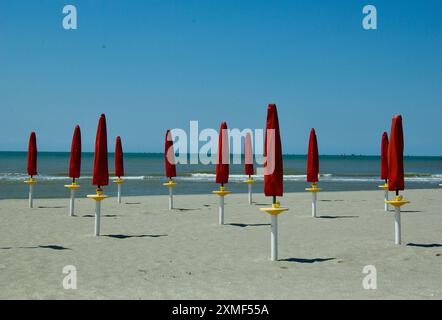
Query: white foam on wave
(238,177)
(21,177)
(302,177)
(209,177)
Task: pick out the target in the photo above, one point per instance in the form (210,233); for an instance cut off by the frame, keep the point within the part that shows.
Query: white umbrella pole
(221,210)
(119,192)
(386,199)
(250,194)
(314,198)
(97,217)
(397,225)
(72,203)
(274,211)
(31,196)
(274,238)
(170,198)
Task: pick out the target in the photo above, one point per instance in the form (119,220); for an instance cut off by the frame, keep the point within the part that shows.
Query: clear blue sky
(152,65)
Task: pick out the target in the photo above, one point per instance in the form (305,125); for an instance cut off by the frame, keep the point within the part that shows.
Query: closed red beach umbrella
(312,158)
(396,156)
(384,157)
(273,184)
(32,155)
(248,155)
(75,158)
(222,166)
(101,170)
(119,164)
(169,156)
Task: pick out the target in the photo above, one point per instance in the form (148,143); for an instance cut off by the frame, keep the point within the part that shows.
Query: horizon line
(237,154)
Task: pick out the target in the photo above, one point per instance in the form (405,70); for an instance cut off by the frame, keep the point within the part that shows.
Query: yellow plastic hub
(398,201)
(170,184)
(72,186)
(314,188)
(384,187)
(274,210)
(249,181)
(222,192)
(99,196)
(30,181)
(119,181)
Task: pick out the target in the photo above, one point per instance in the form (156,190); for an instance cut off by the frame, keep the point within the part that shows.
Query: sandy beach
(149,252)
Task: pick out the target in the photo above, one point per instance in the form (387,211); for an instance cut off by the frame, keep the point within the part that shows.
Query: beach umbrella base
(385,188)
(119,182)
(98,197)
(397,203)
(73,187)
(31,182)
(170,184)
(250,183)
(314,191)
(274,211)
(221,193)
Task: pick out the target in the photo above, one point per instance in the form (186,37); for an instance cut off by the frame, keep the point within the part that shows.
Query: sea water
(145,175)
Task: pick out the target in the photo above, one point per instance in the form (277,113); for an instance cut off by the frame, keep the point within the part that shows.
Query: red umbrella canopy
(101,171)
(119,165)
(222,166)
(32,155)
(75,158)
(396,156)
(273,184)
(312,158)
(169,156)
(248,155)
(384,156)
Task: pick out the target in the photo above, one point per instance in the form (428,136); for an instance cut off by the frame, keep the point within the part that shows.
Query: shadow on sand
(103,215)
(425,245)
(337,217)
(243,225)
(302,260)
(127,236)
(54,207)
(49,246)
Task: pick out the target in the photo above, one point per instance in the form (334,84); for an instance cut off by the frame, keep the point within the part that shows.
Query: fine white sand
(149,252)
